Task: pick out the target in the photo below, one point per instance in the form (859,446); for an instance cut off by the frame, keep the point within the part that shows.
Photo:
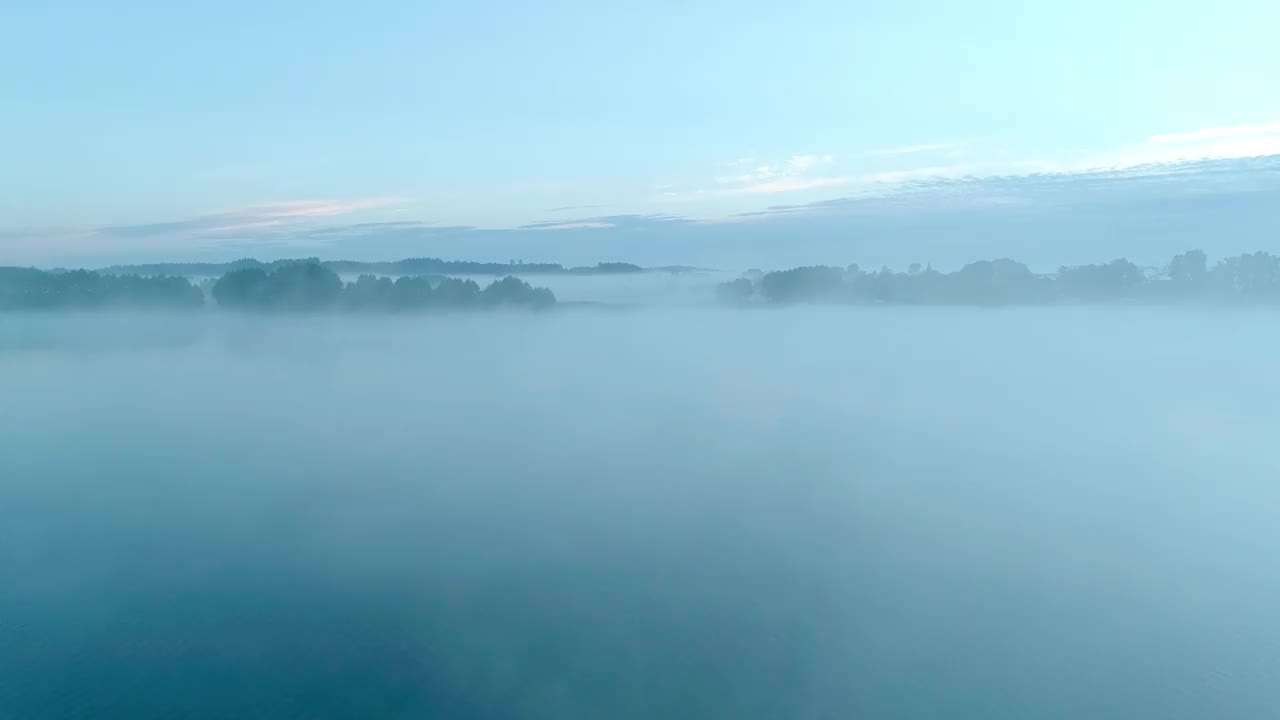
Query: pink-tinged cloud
(574,226)
(247,225)
(313,208)
(263,217)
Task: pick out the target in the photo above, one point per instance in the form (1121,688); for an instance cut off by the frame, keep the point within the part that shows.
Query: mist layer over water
(823,513)
(696,287)
(670,289)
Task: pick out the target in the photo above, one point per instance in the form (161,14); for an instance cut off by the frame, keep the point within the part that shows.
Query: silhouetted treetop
(408,266)
(1251,278)
(301,286)
(736,291)
(311,286)
(514,291)
(30,289)
(803,284)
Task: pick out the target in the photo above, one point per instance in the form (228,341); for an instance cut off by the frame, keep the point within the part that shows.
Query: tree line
(31,289)
(297,286)
(311,286)
(409,266)
(1187,278)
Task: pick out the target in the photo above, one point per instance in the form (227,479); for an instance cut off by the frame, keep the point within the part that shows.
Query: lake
(645,513)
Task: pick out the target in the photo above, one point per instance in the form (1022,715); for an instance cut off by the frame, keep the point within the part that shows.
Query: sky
(658,132)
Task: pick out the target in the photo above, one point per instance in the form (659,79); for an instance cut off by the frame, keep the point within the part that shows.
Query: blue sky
(155,130)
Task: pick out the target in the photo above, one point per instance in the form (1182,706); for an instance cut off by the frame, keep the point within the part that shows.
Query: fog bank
(693,513)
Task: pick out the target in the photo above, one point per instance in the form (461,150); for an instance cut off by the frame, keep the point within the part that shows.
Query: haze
(706,360)
(680,513)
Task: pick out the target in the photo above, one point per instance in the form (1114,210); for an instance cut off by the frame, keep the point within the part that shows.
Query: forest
(408,266)
(32,289)
(298,286)
(310,286)
(1187,278)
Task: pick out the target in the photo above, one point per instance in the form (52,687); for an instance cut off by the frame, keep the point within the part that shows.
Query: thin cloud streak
(254,217)
(901,176)
(790,175)
(1218,133)
(990,182)
(913,149)
(1241,141)
(788,184)
(570,226)
(566,208)
(1122,189)
(603,221)
(315,208)
(259,225)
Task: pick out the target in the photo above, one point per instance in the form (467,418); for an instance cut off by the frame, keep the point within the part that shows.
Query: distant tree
(31,289)
(884,286)
(994,282)
(297,286)
(455,293)
(737,291)
(286,286)
(242,288)
(411,293)
(305,286)
(610,268)
(514,291)
(369,291)
(1115,280)
(803,284)
(1189,268)
(1252,277)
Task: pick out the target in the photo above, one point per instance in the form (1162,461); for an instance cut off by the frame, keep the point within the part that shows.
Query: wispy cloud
(1235,141)
(1151,155)
(567,226)
(286,223)
(566,208)
(19,245)
(260,217)
(793,174)
(1218,133)
(789,184)
(606,221)
(1173,168)
(901,176)
(914,149)
(1165,188)
(315,208)
(355,231)
(801,163)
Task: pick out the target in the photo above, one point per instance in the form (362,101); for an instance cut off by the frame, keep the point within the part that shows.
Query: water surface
(802,513)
